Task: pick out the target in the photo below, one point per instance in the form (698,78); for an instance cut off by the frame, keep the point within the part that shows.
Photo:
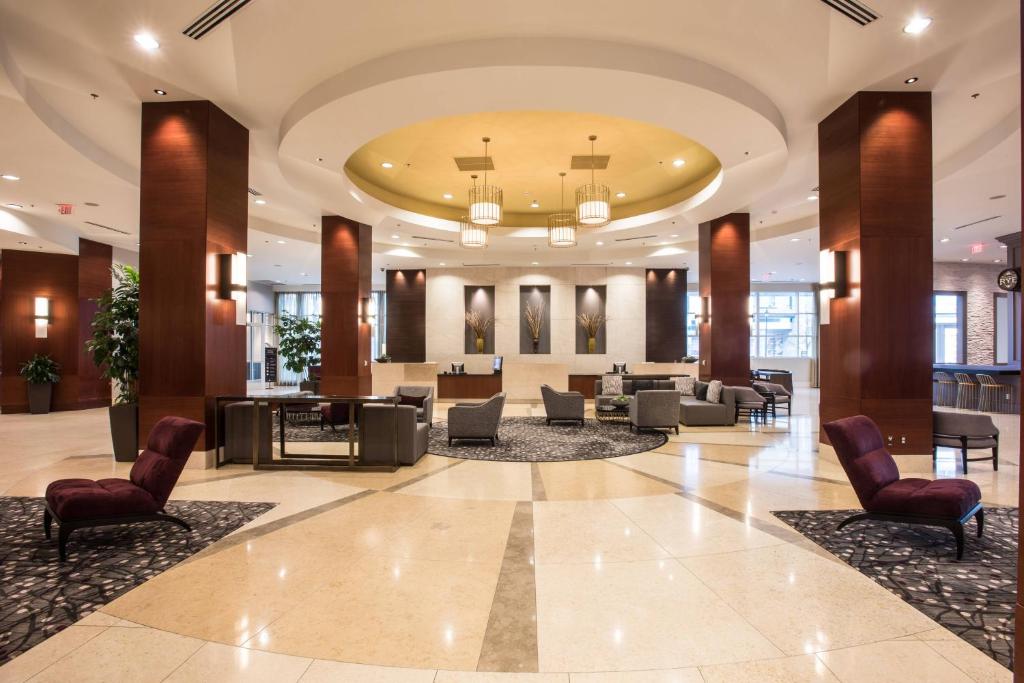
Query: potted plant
(534,316)
(478,322)
(115,350)
(41,373)
(591,324)
(298,342)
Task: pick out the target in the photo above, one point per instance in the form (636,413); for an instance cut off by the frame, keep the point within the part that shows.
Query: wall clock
(1009,280)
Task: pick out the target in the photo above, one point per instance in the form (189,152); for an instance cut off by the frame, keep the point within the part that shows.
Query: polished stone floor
(657,567)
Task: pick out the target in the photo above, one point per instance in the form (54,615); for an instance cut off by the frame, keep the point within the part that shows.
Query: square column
(724,246)
(345,262)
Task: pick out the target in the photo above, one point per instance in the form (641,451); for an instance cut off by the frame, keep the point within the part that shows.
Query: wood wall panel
(468,386)
(193,206)
(875,172)
(666,314)
(724,245)
(94,279)
(1018,638)
(345,256)
(407,315)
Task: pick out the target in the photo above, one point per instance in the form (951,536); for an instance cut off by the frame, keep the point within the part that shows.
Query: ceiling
(651,167)
(746,81)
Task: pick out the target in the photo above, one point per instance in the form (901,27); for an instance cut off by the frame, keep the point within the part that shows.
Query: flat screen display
(497,363)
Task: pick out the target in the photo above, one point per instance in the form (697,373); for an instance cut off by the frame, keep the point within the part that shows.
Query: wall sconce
(41,315)
(704,315)
(231,282)
(367,310)
(832,279)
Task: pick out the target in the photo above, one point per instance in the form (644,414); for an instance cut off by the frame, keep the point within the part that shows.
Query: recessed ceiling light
(261,202)
(995,260)
(10,176)
(442,263)
(911,80)
(963,259)
(447,195)
(280,241)
(917,25)
(944,240)
(600,244)
(678,162)
(629,263)
(248,255)
(533,263)
(812,198)
(534,204)
(146,41)
(160,92)
(12,205)
(794,239)
(673,235)
(387,164)
(620,195)
(395,237)
(319,158)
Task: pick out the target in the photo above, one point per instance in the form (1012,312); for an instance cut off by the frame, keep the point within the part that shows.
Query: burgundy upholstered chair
(948,503)
(80,503)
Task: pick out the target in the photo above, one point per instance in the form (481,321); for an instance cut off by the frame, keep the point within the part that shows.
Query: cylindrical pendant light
(471,235)
(485,201)
(562,225)
(593,201)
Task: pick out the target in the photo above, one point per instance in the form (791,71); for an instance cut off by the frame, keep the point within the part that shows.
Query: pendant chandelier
(562,225)
(485,200)
(593,201)
(472,236)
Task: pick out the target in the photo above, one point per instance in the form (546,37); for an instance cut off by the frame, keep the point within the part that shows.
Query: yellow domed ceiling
(414,168)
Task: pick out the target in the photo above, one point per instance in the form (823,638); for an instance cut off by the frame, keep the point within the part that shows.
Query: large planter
(39,396)
(124,431)
(479,344)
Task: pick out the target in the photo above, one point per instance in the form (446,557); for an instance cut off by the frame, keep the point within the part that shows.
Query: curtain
(304,305)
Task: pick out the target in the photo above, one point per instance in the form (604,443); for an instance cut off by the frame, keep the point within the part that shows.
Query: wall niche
(534,319)
(590,309)
(479,302)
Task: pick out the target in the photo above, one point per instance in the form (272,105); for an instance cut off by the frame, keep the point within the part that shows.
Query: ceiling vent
(581,265)
(983,220)
(851,9)
(213,17)
(641,237)
(475,163)
(107,227)
(431,239)
(480,265)
(584,162)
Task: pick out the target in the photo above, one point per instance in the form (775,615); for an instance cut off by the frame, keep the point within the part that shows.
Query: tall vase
(536,345)
(591,344)
(479,344)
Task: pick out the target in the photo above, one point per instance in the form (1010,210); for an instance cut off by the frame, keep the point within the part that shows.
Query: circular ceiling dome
(417,168)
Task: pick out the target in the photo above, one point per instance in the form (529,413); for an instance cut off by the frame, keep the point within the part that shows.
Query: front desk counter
(467,386)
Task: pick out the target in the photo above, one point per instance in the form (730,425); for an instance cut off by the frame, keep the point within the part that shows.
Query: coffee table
(612,412)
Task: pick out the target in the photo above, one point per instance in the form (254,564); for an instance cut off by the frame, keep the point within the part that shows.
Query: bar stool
(993,397)
(944,391)
(966,391)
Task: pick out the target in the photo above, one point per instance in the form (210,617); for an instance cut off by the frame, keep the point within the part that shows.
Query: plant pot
(39,396)
(536,345)
(591,344)
(124,431)
(479,344)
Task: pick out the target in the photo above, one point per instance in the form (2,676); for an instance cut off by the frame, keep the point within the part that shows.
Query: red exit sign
(65,209)
(977,248)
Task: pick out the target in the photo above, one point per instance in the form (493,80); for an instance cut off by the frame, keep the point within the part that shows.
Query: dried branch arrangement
(590,322)
(534,316)
(478,322)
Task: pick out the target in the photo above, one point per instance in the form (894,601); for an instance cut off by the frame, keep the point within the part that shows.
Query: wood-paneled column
(407,315)
(94,279)
(875,174)
(666,314)
(345,262)
(193,206)
(724,245)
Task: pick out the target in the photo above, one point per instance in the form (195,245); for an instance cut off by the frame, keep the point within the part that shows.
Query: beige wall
(625,309)
(979,281)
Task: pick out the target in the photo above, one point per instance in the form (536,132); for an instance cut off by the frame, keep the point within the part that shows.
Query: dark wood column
(345,256)
(666,314)
(1018,635)
(724,245)
(94,279)
(193,206)
(407,315)
(875,174)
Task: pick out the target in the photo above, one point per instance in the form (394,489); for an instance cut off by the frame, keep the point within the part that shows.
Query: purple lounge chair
(948,503)
(80,503)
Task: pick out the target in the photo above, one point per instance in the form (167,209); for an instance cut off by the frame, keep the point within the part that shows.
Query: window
(950,335)
(692,324)
(260,329)
(379,329)
(784,325)
(302,304)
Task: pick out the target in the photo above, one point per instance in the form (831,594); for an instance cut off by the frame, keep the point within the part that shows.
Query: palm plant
(115,334)
(298,342)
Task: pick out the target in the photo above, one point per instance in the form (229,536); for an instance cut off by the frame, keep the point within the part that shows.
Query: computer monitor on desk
(497,364)
(458,369)
(619,368)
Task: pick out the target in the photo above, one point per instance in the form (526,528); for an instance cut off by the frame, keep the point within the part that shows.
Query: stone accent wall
(979,281)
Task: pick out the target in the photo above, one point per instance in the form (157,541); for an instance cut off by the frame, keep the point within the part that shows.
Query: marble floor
(660,567)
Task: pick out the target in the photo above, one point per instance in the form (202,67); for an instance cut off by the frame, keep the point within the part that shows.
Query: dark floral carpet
(973,598)
(39,595)
(530,439)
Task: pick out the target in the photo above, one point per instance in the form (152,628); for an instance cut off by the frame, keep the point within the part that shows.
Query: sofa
(376,435)
(693,412)
(632,384)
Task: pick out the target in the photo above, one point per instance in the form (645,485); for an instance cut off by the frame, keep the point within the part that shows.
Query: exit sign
(977,248)
(65,209)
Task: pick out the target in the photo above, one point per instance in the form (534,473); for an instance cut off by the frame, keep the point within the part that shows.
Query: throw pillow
(700,391)
(684,385)
(611,385)
(411,400)
(715,391)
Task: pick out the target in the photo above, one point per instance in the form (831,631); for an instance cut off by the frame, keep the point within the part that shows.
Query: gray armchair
(782,396)
(965,432)
(426,413)
(654,409)
(753,403)
(376,435)
(562,406)
(478,421)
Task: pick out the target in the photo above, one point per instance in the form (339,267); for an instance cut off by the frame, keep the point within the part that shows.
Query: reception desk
(451,387)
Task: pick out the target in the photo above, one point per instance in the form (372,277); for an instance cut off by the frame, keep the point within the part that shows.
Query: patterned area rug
(39,595)
(530,439)
(973,598)
(307,430)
